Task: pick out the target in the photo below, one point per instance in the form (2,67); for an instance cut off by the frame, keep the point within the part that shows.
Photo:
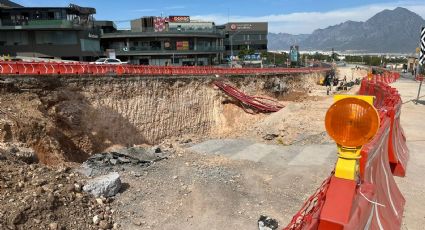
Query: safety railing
(373,200)
(50,68)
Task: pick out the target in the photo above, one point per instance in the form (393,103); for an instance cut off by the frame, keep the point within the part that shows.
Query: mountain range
(389,31)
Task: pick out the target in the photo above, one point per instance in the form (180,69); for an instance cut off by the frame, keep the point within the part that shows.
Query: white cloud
(145,10)
(306,22)
(175,7)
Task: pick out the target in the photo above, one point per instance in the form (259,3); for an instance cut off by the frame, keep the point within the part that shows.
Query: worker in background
(328,83)
(335,81)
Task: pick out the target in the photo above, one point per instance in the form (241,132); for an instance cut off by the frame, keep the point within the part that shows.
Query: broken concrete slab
(106,186)
(121,159)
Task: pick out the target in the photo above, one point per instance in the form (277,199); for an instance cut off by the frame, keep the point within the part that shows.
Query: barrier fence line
(50,68)
(374,201)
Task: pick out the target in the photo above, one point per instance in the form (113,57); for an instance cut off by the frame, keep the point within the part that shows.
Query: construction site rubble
(106,186)
(34,196)
(120,160)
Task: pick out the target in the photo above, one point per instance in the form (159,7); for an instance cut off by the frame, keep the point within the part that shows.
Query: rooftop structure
(52,32)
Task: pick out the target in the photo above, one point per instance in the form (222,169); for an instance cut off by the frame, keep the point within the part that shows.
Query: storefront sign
(242,26)
(179,19)
(182,45)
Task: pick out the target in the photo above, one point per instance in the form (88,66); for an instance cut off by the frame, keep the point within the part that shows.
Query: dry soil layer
(69,118)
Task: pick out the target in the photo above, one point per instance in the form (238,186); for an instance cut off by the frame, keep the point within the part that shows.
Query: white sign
(241,26)
(111,53)
(93,35)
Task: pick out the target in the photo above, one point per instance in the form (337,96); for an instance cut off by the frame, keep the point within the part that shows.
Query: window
(112,61)
(10,38)
(56,37)
(58,15)
(91,45)
(155,45)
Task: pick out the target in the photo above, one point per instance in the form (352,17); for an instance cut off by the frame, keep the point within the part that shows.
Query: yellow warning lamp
(351,121)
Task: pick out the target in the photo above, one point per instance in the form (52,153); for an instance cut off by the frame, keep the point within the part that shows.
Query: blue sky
(287,16)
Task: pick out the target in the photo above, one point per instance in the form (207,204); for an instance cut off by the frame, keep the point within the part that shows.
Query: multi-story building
(72,33)
(245,36)
(51,32)
(176,40)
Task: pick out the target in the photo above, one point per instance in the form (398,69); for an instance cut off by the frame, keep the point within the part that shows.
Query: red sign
(182,45)
(233,26)
(179,19)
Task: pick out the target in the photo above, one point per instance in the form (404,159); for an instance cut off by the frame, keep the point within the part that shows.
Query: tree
(245,52)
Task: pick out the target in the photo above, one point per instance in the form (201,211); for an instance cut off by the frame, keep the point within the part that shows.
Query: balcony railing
(161,50)
(169,31)
(53,23)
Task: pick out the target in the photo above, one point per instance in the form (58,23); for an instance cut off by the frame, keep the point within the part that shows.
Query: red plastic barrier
(389,101)
(52,68)
(376,203)
(398,151)
(373,202)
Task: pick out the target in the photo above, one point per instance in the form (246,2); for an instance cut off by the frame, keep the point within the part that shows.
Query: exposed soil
(67,120)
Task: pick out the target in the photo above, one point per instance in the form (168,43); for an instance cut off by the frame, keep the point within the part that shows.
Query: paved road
(413,122)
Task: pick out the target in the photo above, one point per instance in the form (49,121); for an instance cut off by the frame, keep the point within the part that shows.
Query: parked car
(111,61)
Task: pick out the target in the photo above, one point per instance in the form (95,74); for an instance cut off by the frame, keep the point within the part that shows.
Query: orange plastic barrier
(374,201)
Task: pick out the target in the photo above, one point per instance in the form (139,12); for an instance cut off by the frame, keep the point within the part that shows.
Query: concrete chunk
(107,185)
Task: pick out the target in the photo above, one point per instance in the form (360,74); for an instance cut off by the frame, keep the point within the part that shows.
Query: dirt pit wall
(69,118)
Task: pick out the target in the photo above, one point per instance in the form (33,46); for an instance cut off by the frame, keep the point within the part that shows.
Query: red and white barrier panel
(373,200)
(48,68)
(374,203)
(388,100)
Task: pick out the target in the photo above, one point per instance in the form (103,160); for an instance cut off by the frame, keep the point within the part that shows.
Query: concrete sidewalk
(413,123)
(321,156)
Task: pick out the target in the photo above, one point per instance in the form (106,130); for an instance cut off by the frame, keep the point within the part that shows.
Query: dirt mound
(33,196)
(296,123)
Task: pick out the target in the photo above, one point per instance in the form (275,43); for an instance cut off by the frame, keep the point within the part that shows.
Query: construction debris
(267,223)
(33,196)
(106,186)
(120,160)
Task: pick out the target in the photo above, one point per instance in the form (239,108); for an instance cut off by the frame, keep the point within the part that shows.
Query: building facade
(245,36)
(51,32)
(175,40)
(72,33)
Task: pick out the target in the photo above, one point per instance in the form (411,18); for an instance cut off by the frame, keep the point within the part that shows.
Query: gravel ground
(33,196)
